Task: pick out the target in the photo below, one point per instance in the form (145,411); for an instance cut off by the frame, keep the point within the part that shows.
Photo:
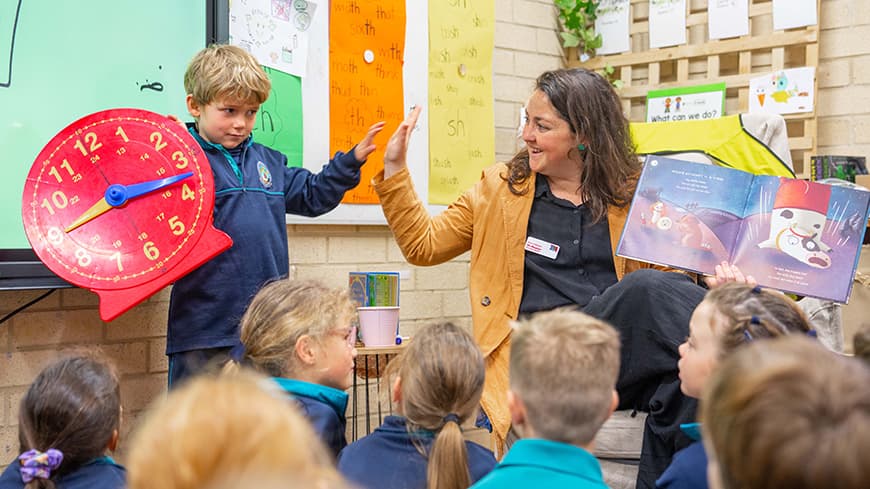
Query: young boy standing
(254,189)
(563,369)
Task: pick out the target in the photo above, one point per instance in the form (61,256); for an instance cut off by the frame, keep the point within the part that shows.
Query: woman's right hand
(396,153)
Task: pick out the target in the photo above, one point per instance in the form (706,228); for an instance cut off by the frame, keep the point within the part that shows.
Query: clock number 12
(93,145)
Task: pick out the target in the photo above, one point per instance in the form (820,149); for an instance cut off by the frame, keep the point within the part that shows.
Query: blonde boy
(563,370)
(254,190)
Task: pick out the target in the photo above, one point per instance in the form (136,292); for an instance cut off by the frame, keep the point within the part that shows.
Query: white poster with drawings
(787,91)
(274,31)
(667,23)
(727,18)
(612,24)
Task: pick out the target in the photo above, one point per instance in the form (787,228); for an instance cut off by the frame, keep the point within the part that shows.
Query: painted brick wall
(526,44)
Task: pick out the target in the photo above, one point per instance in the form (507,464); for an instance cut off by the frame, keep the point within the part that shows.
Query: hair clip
(746,335)
(813,333)
(756,290)
(754,320)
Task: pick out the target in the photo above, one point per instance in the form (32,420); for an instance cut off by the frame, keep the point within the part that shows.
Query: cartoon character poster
(783,92)
(791,235)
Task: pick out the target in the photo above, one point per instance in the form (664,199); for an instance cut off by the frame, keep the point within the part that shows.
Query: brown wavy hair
(593,110)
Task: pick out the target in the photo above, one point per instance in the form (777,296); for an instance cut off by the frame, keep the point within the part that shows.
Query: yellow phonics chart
(461,120)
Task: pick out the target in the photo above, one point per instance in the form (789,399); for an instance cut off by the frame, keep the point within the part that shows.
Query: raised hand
(396,154)
(366,146)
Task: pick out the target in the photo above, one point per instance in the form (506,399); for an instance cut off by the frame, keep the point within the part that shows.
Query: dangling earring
(581,147)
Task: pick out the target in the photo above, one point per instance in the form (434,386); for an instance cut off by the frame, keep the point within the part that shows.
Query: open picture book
(792,235)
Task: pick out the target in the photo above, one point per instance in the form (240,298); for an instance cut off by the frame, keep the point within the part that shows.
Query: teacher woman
(542,229)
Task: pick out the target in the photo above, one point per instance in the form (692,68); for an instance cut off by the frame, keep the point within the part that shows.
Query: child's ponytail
(441,375)
(448,458)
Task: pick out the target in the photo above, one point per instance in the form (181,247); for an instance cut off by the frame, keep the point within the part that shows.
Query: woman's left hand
(727,272)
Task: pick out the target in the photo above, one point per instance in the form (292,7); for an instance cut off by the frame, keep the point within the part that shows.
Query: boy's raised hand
(396,154)
(366,146)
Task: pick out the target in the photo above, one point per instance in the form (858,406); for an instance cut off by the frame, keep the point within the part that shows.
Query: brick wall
(526,44)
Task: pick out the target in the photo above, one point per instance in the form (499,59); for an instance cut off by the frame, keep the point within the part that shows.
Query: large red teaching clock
(120,202)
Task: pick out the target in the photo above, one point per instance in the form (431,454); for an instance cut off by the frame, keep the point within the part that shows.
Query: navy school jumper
(252,197)
(388,458)
(102,473)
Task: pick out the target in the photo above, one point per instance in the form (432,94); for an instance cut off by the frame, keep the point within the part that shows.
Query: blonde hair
(215,428)
(788,413)
(442,373)
(281,313)
(225,71)
(563,366)
(746,313)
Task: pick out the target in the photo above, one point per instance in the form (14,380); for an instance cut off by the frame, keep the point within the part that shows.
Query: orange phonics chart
(366,47)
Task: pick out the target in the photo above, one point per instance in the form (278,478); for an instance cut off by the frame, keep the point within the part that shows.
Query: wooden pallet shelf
(702,61)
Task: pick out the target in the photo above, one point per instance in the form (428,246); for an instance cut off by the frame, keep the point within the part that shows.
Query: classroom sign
(686,103)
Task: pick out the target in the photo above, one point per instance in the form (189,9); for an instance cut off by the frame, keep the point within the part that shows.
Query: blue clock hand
(117,195)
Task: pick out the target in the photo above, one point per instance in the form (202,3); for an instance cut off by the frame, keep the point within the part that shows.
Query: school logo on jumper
(265,175)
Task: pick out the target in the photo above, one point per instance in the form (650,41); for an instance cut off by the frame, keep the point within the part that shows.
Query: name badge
(541,247)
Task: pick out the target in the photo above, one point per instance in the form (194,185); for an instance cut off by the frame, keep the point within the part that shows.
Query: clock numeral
(151,251)
(93,145)
(56,174)
(83,257)
(179,157)
(120,132)
(142,236)
(176,226)
(55,236)
(157,139)
(187,193)
(117,243)
(58,198)
(117,257)
(167,194)
(161,171)
(160,217)
(121,150)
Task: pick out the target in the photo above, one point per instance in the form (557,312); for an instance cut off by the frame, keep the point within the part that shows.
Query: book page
(685,214)
(802,237)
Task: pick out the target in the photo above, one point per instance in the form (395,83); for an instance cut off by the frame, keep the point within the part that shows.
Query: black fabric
(651,310)
(583,267)
(186,364)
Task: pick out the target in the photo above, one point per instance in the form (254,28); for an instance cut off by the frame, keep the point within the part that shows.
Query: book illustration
(792,235)
(798,218)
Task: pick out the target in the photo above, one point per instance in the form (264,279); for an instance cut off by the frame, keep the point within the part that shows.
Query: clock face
(88,236)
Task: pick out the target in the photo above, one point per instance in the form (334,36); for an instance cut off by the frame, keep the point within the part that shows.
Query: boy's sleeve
(312,194)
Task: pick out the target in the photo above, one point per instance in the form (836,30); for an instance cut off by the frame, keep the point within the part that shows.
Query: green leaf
(569,40)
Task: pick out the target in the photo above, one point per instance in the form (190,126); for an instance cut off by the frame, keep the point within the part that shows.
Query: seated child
(227,431)
(563,369)
(787,414)
(300,334)
(437,387)
(729,317)
(68,421)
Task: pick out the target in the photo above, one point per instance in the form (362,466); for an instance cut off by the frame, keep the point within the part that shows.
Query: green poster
(279,122)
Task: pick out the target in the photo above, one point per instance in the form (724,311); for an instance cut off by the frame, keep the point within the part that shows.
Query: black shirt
(583,266)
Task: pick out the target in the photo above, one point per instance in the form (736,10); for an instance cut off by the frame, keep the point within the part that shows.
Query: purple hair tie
(38,465)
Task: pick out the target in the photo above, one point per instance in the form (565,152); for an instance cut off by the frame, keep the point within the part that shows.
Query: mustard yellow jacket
(490,221)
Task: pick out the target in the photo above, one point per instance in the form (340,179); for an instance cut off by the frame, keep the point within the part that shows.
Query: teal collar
(553,456)
(336,399)
(692,430)
(192,130)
